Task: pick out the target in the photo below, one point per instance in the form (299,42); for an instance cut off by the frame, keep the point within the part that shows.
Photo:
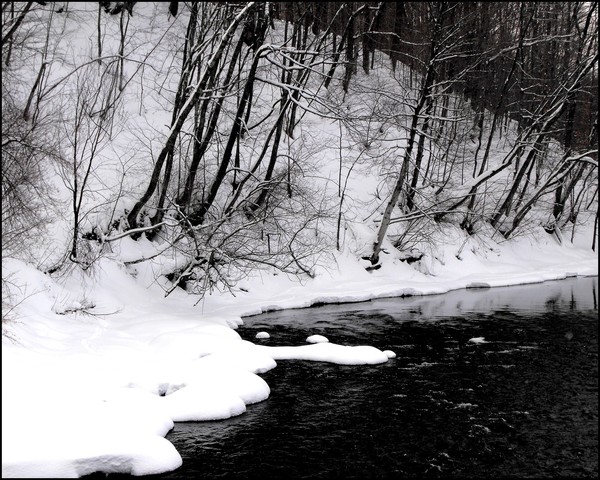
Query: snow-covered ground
(97,367)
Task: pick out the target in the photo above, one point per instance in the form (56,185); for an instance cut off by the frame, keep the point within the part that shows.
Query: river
(520,402)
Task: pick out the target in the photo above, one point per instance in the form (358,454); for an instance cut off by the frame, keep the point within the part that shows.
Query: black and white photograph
(300,240)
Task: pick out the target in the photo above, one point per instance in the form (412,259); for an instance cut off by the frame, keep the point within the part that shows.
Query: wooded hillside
(229,135)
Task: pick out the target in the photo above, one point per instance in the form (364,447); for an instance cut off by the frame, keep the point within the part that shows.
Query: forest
(188,128)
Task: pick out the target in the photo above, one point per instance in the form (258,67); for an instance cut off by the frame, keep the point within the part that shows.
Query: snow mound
(317,339)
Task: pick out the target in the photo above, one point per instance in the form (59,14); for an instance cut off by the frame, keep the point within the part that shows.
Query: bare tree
(86,132)
(437,13)
(176,126)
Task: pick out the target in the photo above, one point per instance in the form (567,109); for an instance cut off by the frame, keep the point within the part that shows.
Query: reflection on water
(523,404)
(568,294)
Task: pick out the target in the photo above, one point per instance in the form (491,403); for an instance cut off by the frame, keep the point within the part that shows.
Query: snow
(317,339)
(101,389)
(329,352)
(478,340)
(97,364)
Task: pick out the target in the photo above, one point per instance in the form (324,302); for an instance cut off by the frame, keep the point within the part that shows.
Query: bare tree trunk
(26,114)
(410,197)
(99,33)
(197,217)
(10,40)
(16,23)
(343,41)
(436,20)
(566,165)
(187,107)
(240,185)
(123,30)
(467,223)
(583,35)
(260,201)
(595,235)
(387,215)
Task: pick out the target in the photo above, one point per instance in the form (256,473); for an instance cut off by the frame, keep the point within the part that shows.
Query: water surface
(524,404)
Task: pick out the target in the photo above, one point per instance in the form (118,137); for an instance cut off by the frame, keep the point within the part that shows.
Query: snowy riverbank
(97,366)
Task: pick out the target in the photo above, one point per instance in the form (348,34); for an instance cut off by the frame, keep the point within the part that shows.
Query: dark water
(523,405)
